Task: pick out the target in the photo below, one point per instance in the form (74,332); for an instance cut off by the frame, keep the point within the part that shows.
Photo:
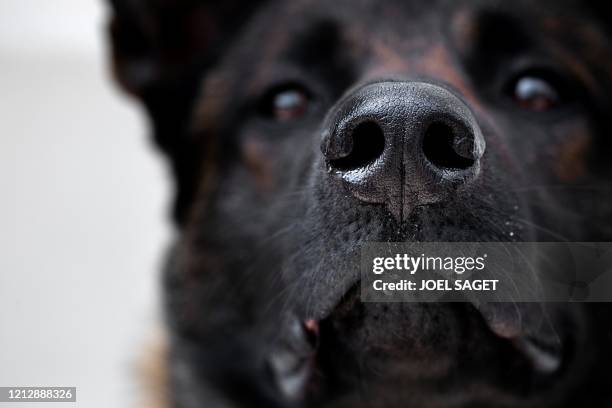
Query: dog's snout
(402,144)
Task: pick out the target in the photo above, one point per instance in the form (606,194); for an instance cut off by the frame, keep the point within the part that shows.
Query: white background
(83,209)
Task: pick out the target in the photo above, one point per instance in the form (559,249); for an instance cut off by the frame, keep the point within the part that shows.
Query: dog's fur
(260,299)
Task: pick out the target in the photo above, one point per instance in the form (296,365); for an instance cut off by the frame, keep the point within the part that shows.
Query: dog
(297,131)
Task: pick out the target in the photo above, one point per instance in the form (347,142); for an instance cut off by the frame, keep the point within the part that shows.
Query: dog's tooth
(300,339)
(530,329)
(284,362)
(291,361)
(290,373)
(543,361)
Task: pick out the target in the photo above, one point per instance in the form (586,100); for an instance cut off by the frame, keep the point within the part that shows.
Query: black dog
(300,130)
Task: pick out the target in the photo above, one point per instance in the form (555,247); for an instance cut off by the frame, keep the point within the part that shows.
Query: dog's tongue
(532,329)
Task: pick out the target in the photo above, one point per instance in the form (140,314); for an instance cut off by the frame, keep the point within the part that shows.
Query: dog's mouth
(318,355)
(296,364)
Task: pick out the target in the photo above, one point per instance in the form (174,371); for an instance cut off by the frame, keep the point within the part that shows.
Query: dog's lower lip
(544,361)
(292,364)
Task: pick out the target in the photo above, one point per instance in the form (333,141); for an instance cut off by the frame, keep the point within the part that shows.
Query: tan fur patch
(571,165)
(152,370)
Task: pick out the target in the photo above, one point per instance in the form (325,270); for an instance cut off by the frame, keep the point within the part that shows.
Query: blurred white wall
(83,209)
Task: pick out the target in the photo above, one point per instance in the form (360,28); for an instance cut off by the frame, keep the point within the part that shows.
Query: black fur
(260,290)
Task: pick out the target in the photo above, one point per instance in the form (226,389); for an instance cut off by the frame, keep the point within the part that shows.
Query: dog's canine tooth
(544,361)
(291,360)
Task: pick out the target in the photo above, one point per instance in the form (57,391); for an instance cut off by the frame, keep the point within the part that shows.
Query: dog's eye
(535,92)
(286,102)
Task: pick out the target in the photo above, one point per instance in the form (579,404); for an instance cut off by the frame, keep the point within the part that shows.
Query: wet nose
(402,144)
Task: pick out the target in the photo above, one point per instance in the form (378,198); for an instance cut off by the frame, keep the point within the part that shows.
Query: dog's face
(298,131)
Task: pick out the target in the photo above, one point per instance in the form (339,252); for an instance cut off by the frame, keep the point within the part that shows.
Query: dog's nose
(402,144)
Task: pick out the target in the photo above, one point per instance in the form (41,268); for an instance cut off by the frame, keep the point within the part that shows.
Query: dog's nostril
(449,148)
(368,145)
